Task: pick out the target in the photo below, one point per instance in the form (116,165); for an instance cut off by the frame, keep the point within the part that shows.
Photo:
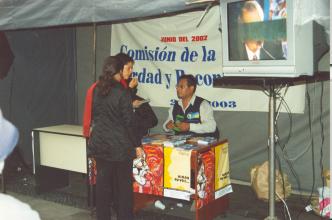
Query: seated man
(191,114)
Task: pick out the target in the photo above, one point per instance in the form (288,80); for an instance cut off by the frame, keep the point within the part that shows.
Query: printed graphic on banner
(166,48)
(177,173)
(222,175)
(148,170)
(205,179)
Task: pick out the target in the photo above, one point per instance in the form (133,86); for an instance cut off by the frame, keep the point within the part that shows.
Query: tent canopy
(27,14)
(24,14)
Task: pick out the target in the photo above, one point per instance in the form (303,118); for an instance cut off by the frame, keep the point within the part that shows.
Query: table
(214,200)
(58,150)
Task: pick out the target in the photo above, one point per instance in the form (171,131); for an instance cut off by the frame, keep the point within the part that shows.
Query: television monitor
(259,38)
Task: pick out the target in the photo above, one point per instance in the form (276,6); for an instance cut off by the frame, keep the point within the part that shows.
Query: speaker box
(6,56)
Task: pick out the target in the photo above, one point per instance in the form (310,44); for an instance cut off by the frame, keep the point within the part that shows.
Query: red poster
(205,179)
(148,170)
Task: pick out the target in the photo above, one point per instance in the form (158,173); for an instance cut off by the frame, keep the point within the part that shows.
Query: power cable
(312,153)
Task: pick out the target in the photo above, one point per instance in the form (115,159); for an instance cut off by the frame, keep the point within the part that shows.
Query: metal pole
(94,48)
(272,104)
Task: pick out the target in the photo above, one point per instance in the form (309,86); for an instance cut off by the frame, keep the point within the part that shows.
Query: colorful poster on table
(205,179)
(177,174)
(168,47)
(222,175)
(148,170)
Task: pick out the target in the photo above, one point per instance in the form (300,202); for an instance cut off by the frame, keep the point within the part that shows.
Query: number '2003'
(216,104)
(223,104)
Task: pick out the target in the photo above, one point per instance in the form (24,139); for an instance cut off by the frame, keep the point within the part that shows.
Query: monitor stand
(257,83)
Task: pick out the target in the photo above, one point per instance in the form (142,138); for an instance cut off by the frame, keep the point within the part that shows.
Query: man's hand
(183,126)
(170,125)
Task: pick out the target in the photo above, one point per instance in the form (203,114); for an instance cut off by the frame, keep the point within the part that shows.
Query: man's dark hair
(191,80)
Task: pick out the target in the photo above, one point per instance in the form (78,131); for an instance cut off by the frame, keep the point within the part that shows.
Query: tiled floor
(52,210)
(70,203)
(55,211)
(238,210)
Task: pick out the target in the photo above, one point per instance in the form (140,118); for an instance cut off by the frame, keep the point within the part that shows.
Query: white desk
(62,147)
(56,151)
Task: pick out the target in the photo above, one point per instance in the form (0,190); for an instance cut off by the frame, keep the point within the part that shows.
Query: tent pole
(204,13)
(272,104)
(94,52)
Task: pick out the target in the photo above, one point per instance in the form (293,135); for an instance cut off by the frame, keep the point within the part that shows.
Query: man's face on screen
(249,17)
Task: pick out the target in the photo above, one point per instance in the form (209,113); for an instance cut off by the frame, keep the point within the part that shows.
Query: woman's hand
(137,103)
(133,83)
(139,152)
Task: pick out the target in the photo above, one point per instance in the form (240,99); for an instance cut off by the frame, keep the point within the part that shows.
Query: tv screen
(257,30)
(259,38)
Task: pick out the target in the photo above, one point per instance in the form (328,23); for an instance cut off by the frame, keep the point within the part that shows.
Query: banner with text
(165,48)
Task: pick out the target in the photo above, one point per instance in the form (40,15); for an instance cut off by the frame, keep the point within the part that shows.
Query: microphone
(268,53)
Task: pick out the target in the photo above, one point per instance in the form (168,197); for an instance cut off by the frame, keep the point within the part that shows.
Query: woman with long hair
(113,142)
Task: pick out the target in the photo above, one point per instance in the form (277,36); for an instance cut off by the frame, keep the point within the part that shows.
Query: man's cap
(8,137)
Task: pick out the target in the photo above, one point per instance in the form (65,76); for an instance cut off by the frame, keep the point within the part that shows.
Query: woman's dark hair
(124,58)
(191,80)
(111,67)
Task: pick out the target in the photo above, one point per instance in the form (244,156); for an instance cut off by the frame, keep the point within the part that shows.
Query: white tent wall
(40,87)
(247,132)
